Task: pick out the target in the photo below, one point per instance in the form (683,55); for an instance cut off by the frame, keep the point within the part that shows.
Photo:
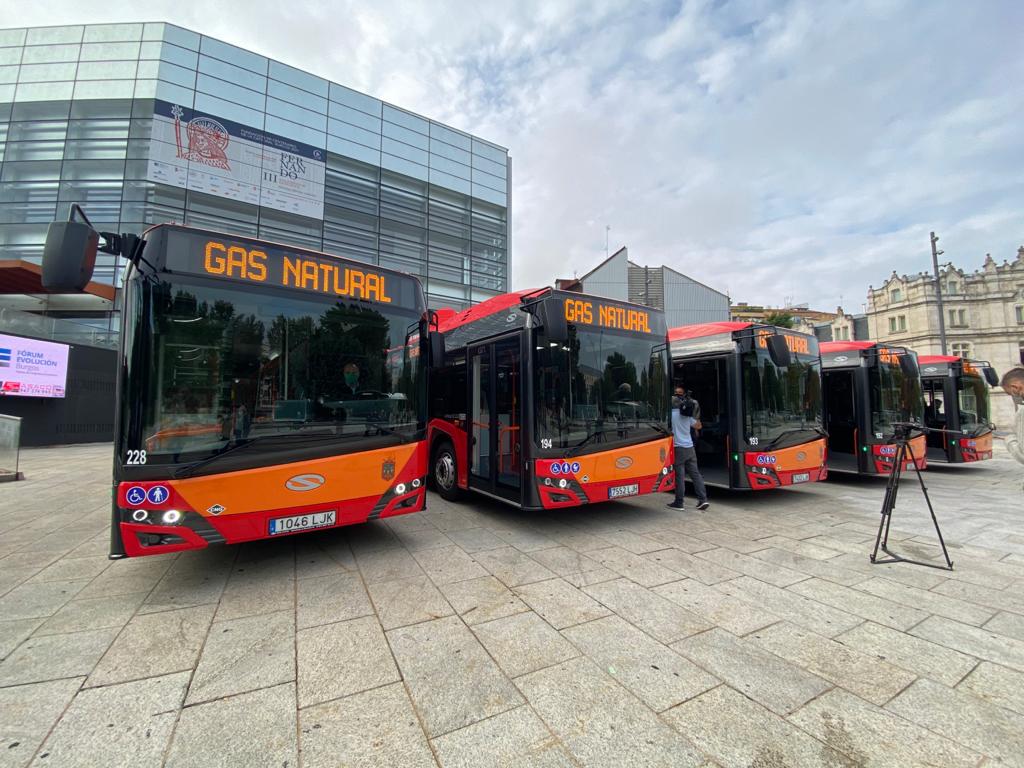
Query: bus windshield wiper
(190,469)
(572,451)
(389,431)
(660,427)
(793,431)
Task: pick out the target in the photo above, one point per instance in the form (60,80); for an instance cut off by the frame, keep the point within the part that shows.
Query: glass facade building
(148,123)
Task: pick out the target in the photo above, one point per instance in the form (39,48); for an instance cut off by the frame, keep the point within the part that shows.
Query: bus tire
(444,471)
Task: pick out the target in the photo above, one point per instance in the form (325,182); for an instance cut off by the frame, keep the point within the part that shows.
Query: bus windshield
(600,386)
(780,404)
(224,366)
(973,396)
(895,397)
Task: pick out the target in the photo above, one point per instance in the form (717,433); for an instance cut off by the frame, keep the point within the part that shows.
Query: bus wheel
(445,471)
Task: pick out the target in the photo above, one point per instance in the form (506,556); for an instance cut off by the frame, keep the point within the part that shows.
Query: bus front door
(935,416)
(706,381)
(840,419)
(496,402)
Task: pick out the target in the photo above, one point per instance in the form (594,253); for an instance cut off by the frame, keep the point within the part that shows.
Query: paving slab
(93,613)
(408,601)
(13,633)
(338,596)
(767,679)
(257,728)
(928,600)
(692,567)
(564,561)
(869,735)
(251,594)
(644,570)
(559,603)
(653,672)
(512,567)
(957,714)
(34,600)
(999,599)
(800,547)
(388,565)
(754,567)
(599,722)
(27,713)
(244,654)
(661,618)
(369,729)
(636,543)
(483,599)
(336,660)
(523,643)
(808,613)
(921,657)
(446,565)
(1009,624)
(684,542)
(859,603)
(50,657)
(717,608)
(997,685)
(739,733)
(154,644)
(976,641)
(866,675)
(128,725)
(731,541)
(457,683)
(811,566)
(472,540)
(514,739)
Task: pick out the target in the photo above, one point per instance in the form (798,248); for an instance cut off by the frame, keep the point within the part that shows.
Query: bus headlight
(547,481)
(562,483)
(400,489)
(140,515)
(171,517)
(664,470)
(416,482)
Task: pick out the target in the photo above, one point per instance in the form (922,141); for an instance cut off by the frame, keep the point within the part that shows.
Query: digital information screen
(32,368)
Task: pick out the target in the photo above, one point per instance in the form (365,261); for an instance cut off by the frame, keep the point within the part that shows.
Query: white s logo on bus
(304,482)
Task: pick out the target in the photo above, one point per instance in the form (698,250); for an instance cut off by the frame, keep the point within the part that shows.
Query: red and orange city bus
(263,389)
(870,387)
(759,389)
(551,399)
(956,407)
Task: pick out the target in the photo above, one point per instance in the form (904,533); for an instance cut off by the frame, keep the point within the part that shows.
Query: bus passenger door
(705,380)
(496,418)
(840,418)
(935,416)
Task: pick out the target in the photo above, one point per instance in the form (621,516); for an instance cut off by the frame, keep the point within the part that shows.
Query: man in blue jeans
(685,418)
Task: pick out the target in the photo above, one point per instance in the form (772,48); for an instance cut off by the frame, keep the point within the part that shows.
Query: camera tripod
(903,449)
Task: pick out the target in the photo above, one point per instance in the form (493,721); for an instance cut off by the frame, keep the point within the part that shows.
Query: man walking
(686,417)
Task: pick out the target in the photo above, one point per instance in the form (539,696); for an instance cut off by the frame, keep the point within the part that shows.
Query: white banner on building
(208,154)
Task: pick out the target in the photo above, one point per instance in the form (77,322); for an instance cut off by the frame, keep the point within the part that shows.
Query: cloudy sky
(781,151)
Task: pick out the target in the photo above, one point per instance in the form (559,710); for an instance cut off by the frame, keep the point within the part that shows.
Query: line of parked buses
(266,390)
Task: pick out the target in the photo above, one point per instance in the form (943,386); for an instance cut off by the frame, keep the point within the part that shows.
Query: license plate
(305,522)
(803,477)
(618,491)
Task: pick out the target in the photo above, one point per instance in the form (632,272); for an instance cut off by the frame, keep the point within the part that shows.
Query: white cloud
(775,149)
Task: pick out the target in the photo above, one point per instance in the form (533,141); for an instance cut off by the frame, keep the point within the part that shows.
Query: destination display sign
(605,315)
(266,264)
(798,345)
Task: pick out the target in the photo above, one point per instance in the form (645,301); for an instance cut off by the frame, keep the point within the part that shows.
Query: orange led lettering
(257,266)
(342,288)
(290,273)
(310,275)
(375,288)
(214,264)
(355,282)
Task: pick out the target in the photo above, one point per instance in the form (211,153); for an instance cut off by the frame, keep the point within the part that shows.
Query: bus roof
(449,320)
(845,346)
(700,330)
(934,359)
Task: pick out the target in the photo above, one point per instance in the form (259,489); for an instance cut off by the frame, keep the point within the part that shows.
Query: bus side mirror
(991,376)
(69,255)
(436,348)
(908,364)
(778,351)
(553,321)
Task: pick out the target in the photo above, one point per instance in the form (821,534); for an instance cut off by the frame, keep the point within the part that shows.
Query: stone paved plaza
(755,634)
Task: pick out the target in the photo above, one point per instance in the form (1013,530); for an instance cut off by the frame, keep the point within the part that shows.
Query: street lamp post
(938,293)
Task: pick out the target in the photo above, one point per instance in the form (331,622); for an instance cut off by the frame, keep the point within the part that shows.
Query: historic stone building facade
(984,314)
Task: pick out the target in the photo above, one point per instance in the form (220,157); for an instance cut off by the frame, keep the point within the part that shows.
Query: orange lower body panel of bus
(160,516)
(884,455)
(804,463)
(976,448)
(632,470)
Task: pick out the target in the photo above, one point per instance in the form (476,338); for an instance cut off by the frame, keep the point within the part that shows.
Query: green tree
(780,319)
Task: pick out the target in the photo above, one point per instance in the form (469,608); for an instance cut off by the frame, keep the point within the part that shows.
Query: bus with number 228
(549,399)
(263,390)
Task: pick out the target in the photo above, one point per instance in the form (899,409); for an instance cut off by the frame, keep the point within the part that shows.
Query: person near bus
(685,419)
(1013,385)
